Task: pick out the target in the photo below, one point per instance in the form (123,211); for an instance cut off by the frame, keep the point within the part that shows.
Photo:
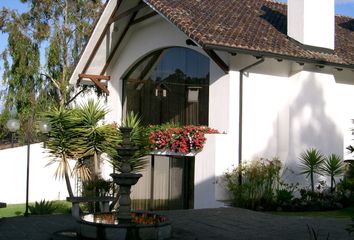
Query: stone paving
(221,223)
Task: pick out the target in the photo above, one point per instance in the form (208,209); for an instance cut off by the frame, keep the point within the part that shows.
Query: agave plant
(138,138)
(310,163)
(42,207)
(333,166)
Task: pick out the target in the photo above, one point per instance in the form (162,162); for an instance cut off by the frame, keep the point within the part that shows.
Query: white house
(276,79)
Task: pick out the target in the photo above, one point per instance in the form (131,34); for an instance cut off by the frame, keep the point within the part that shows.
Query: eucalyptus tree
(44,43)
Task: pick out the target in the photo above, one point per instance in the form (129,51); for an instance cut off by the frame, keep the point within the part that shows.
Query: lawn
(341,213)
(19,209)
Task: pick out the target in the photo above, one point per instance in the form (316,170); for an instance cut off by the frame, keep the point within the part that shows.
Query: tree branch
(75,96)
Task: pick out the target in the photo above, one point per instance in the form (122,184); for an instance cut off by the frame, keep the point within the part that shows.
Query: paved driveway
(220,223)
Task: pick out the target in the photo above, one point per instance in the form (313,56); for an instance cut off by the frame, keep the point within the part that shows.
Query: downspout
(240,122)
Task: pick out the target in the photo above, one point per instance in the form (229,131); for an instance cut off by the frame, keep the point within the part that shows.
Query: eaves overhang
(257,53)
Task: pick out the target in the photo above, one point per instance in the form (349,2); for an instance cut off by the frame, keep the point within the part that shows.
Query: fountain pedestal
(125,182)
(122,226)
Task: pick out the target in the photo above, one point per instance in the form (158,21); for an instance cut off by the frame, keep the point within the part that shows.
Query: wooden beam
(96,79)
(98,43)
(143,18)
(111,55)
(215,57)
(128,12)
(100,77)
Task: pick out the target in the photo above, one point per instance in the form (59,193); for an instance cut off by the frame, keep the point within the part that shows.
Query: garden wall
(42,183)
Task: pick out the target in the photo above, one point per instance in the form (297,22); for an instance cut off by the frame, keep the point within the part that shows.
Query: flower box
(172,153)
(177,141)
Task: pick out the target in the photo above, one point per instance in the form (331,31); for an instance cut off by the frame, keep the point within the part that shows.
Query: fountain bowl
(144,226)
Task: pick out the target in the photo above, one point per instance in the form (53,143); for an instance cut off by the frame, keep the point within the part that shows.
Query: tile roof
(255,26)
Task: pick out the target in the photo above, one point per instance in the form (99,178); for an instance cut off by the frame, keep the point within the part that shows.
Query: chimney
(312,22)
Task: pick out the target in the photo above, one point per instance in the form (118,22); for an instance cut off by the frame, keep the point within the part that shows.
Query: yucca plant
(333,166)
(311,161)
(78,134)
(93,139)
(60,142)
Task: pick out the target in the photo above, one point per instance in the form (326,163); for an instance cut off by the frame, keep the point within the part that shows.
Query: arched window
(169,85)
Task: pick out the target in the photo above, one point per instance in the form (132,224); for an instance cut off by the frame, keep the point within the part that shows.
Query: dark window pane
(170,85)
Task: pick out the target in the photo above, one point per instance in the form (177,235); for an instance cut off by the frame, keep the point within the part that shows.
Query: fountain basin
(144,226)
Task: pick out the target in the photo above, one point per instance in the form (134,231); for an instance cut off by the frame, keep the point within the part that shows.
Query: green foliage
(333,166)
(95,187)
(77,134)
(260,179)
(13,210)
(139,139)
(42,207)
(61,138)
(311,161)
(284,197)
(92,138)
(60,142)
(64,27)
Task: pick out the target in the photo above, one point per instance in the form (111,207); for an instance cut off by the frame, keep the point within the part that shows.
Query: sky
(343,7)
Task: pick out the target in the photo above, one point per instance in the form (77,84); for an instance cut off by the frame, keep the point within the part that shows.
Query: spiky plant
(60,142)
(333,166)
(310,163)
(93,139)
(139,138)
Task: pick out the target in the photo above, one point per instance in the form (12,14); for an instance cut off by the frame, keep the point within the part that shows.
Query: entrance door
(173,183)
(167,183)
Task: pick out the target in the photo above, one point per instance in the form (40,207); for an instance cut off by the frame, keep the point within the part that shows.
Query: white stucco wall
(42,184)
(285,115)
(307,20)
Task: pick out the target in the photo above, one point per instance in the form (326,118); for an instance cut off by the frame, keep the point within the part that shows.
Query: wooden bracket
(96,79)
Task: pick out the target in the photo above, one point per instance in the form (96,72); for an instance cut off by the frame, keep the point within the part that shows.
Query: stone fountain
(125,224)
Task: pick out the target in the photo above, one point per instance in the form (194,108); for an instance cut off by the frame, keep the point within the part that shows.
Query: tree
(78,134)
(311,161)
(333,166)
(60,142)
(61,27)
(93,138)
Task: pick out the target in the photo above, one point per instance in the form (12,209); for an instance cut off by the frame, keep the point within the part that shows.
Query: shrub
(42,207)
(311,162)
(260,179)
(333,166)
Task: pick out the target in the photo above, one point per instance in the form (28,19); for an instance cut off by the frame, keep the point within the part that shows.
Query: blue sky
(343,7)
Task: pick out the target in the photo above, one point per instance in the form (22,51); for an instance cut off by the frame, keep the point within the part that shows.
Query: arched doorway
(169,85)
